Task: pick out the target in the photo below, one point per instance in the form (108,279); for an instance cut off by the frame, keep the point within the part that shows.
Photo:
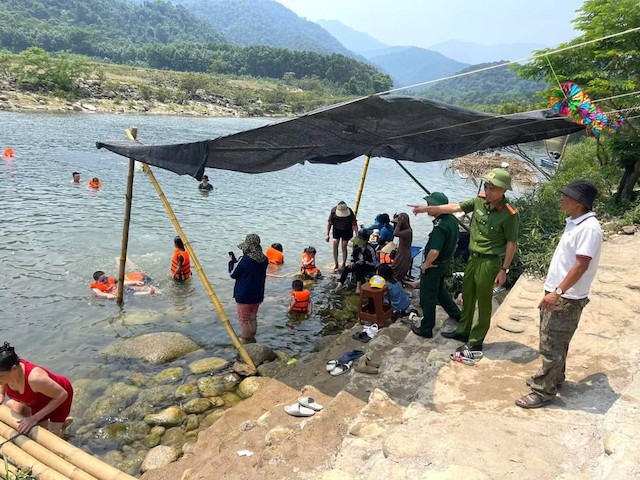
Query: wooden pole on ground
(213,297)
(43,455)
(71,454)
(427,191)
(125,226)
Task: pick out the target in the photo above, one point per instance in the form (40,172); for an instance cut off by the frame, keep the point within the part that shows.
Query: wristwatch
(506,270)
(559,291)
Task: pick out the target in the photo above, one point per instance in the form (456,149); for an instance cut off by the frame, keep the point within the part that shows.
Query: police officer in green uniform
(436,265)
(493,243)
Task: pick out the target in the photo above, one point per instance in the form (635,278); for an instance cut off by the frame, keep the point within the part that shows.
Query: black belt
(484,255)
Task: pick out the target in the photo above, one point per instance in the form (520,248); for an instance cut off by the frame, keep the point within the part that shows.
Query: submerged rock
(217,385)
(117,398)
(169,417)
(205,365)
(197,405)
(154,348)
(186,391)
(168,375)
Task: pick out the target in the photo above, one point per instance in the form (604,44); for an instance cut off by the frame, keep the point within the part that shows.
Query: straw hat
(342,210)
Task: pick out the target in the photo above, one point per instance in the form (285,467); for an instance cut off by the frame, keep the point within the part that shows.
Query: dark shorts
(343,234)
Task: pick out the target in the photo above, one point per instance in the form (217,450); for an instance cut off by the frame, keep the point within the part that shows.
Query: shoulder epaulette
(511,209)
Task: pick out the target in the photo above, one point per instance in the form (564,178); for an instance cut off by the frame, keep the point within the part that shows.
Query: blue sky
(427,22)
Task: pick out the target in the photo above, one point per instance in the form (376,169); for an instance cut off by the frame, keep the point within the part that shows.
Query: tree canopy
(604,69)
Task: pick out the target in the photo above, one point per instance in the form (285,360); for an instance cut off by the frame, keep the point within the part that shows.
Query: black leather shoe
(420,333)
(455,336)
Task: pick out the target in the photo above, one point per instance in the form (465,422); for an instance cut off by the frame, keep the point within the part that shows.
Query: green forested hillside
(161,35)
(264,22)
(89,27)
(492,87)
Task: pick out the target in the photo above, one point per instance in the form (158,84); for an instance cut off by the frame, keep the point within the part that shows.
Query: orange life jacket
(93,184)
(385,258)
(137,277)
(275,256)
(301,301)
(308,265)
(185,271)
(8,152)
(106,284)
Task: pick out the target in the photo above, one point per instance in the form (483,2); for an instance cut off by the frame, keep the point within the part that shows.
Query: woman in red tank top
(42,397)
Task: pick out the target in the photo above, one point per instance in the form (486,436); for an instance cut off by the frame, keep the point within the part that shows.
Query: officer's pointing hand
(419,209)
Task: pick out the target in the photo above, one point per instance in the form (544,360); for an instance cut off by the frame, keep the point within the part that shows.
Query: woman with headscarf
(403,261)
(250,274)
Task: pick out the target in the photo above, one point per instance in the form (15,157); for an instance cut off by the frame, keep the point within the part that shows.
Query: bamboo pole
(125,226)
(58,446)
(213,297)
(363,177)
(26,462)
(43,455)
(428,192)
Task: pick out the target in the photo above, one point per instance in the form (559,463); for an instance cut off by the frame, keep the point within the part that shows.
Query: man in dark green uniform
(493,243)
(436,264)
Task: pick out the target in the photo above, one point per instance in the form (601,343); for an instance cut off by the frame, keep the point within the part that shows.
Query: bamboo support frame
(43,455)
(363,177)
(24,461)
(58,446)
(125,225)
(213,297)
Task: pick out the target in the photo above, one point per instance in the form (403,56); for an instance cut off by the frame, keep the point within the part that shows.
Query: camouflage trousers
(556,331)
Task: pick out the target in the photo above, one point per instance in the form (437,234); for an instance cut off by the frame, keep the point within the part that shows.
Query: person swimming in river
(274,254)
(309,268)
(204,185)
(136,283)
(75,178)
(95,183)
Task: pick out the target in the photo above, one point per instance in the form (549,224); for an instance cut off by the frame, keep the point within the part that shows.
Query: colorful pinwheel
(571,101)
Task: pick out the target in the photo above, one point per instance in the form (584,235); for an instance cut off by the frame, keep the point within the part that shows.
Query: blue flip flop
(350,356)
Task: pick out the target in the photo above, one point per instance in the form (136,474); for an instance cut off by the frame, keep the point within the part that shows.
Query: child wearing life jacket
(274,254)
(105,286)
(95,182)
(397,297)
(309,268)
(300,301)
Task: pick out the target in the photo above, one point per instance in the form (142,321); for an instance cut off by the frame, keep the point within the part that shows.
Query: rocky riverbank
(423,416)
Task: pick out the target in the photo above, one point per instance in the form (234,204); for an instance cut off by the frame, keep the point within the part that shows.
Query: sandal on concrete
(370,362)
(362,367)
(532,400)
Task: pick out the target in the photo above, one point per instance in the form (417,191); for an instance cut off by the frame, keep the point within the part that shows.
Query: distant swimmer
(40,396)
(274,254)
(95,182)
(75,178)
(136,283)
(8,152)
(205,185)
(180,263)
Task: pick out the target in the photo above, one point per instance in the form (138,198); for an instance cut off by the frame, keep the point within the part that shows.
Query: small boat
(548,163)
(551,161)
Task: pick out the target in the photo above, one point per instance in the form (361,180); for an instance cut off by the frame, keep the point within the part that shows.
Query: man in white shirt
(571,272)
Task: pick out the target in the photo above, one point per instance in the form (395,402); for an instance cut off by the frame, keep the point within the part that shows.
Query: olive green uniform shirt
(491,228)
(444,238)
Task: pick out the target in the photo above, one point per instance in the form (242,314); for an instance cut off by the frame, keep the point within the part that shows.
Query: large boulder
(154,348)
